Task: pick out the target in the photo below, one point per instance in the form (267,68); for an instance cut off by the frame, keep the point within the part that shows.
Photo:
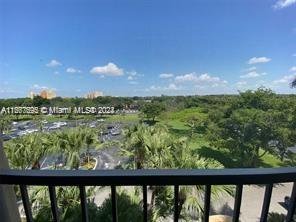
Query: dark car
(6,137)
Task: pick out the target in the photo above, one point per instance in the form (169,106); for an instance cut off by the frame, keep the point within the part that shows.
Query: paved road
(108,158)
(252,201)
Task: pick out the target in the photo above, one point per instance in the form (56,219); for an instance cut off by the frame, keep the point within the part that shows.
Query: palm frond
(293,84)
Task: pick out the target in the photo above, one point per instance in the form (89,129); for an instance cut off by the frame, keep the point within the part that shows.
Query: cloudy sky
(144,47)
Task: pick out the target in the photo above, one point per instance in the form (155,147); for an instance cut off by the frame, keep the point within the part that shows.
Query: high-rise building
(47,94)
(51,94)
(93,95)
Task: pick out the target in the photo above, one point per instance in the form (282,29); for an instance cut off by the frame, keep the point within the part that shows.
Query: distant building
(47,94)
(43,94)
(31,95)
(51,94)
(93,95)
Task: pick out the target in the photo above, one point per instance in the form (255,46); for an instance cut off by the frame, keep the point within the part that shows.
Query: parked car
(6,137)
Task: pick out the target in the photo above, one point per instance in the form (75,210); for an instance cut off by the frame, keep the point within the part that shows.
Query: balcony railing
(144,178)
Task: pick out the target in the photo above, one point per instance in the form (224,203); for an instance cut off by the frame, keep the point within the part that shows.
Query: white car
(63,123)
(31,130)
(22,133)
(53,127)
(60,123)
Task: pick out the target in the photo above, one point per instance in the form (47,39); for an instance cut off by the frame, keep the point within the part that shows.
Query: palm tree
(75,140)
(68,200)
(70,143)
(154,147)
(293,84)
(128,206)
(27,151)
(191,197)
(38,119)
(4,123)
(91,138)
(133,145)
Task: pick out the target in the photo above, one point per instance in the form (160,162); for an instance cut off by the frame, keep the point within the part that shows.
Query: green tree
(261,98)
(293,84)
(5,122)
(196,124)
(74,140)
(39,101)
(68,200)
(91,139)
(191,197)
(128,207)
(249,134)
(152,110)
(27,151)
(71,142)
(155,148)
(133,144)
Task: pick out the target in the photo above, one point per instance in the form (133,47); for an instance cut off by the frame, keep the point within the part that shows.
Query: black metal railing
(144,178)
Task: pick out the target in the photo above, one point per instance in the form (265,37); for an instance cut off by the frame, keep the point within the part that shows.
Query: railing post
(145,214)
(114,203)
(292,204)
(266,202)
(53,203)
(83,204)
(237,202)
(8,207)
(207,203)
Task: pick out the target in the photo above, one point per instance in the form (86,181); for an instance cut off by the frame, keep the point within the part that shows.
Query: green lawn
(183,114)
(123,118)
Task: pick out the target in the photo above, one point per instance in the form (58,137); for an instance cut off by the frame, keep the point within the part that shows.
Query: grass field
(122,118)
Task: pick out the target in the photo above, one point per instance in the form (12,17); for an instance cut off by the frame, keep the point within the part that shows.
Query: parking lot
(107,158)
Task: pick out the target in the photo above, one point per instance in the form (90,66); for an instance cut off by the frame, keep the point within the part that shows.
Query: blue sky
(144,47)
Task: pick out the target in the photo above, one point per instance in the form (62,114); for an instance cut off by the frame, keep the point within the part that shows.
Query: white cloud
(284,80)
(53,63)
(170,87)
(109,70)
(252,74)
(253,68)
(166,75)
(207,78)
(187,77)
(283,4)
(38,87)
(72,70)
(132,73)
(293,69)
(241,83)
(201,79)
(255,60)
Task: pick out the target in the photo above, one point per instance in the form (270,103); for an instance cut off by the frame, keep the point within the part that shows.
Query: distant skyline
(143,47)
